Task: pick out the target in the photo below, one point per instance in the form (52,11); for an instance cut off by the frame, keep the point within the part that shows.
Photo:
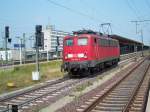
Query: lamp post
(20,49)
(31,38)
(47,54)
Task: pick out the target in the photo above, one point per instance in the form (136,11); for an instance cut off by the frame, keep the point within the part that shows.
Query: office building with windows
(51,36)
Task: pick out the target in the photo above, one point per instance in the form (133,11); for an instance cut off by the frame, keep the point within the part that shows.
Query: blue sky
(23,15)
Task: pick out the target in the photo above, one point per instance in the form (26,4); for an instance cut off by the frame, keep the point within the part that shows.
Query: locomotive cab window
(69,42)
(82,41)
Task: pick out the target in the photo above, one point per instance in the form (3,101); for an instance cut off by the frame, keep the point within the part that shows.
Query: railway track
(44,94)
(127,93)
(41,95)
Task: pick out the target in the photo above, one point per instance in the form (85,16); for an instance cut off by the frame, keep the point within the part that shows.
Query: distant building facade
(50,39)
(3,55)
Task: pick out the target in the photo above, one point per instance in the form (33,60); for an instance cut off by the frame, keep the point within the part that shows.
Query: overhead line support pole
(141,31)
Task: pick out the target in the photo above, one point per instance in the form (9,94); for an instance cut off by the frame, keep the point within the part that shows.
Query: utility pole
(141,31)
(47,55)
(20,49)
(135,50)
(3,40)
(142,41)
(24,43)
(47,52)
(31,38)
(136,24)
(57,46)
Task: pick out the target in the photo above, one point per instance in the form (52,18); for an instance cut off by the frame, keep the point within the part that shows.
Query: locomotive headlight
(70,55)
(82,55)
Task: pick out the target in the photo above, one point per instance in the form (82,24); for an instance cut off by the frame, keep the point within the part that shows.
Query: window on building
(69,42)
(82,41)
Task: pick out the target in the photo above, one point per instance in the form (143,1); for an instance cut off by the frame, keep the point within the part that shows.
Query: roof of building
(124,39)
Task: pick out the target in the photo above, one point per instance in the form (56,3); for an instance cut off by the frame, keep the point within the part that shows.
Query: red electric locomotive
(87,50)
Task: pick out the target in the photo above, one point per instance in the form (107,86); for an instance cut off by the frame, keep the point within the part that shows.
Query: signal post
(6,39)
(39,43)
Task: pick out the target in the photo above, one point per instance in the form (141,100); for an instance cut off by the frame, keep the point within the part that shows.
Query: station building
(127,45)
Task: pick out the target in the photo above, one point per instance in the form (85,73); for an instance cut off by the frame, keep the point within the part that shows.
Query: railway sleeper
(29,96)
(137,105)
(116,98)
(117,102)
(124,89)
(88,102)
(135,109)
(112,105)
(121,93)
(138,101)
(108,108)
(23,98)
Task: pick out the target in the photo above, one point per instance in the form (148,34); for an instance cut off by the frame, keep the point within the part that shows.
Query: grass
(83,86)
(21,76)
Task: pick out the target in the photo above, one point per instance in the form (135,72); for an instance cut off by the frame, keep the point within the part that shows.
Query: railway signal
(7,39)
(6,31)
(39,37)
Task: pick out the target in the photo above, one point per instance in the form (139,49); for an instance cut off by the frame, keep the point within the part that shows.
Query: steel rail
(5,98)
(91,106)
(126,109)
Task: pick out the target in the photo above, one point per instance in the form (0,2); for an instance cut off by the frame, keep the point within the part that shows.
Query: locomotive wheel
(116,62)
(78,73)
(74,73)
(91,71)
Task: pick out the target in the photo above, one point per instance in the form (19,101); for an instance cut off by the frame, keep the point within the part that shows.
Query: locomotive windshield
(69,42)
(82,41)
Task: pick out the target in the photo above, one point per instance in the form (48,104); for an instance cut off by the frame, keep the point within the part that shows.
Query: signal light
(38,28)
(39,36)
(7,31)
(9,40)
(41,40)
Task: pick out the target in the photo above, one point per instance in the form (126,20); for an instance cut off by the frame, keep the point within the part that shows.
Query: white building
(50,39)
(12,54)
(3,55)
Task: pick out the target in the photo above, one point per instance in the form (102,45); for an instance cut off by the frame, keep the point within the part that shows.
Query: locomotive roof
(92,35)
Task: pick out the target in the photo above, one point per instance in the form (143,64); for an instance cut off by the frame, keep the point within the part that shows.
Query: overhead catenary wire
(138,11)
(132,9)
(74,11)
(81,13)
